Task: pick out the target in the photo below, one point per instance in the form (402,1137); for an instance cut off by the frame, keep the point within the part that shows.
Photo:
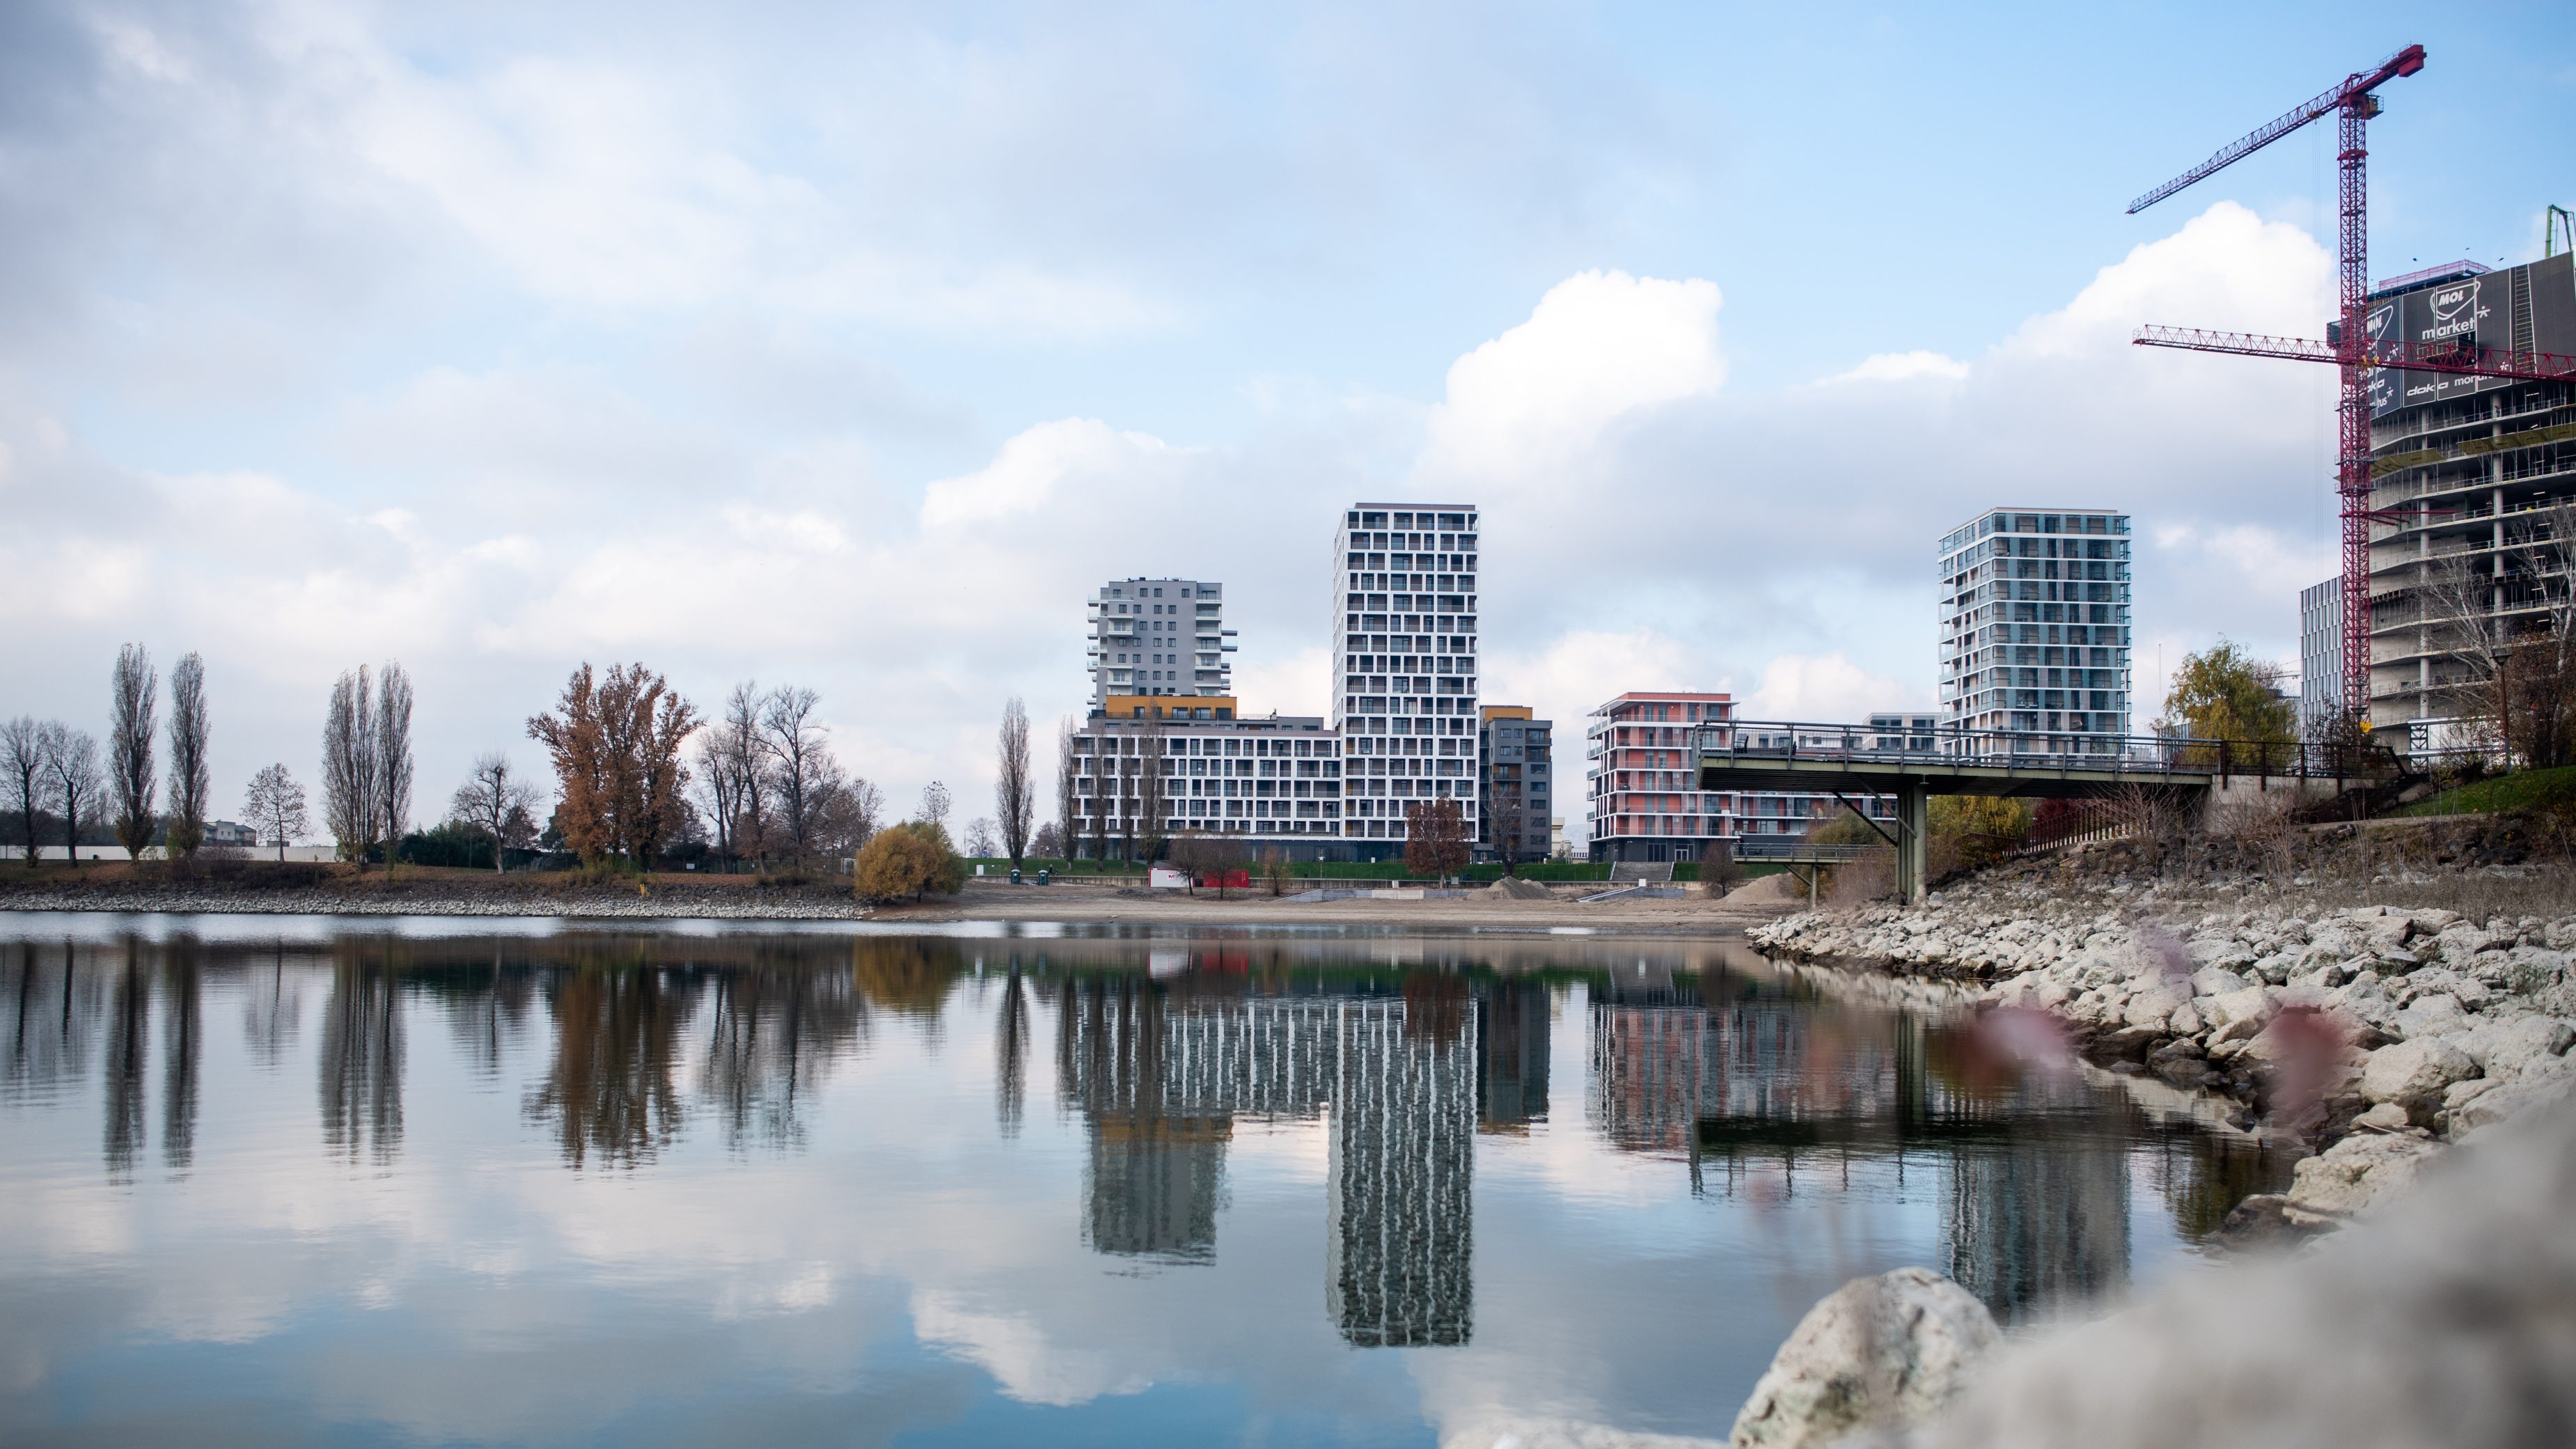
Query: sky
(853,347)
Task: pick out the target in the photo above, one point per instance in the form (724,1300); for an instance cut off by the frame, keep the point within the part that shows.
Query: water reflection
(1372,1116)
(610,1093)
(362,1058)
(129,1019)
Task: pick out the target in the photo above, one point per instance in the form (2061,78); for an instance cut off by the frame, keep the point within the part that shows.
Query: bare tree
(1048,843)
(2507,621)
(733,751)
(979,838)
(934,803)
(1506,820)
(719,791)
(350,795)
(191,783)
(135,699)
(26,785)
(803,775)
(1067,790)
(497,802)
(72,758)
(850,818)
(1152,795)
(274,806)
(1014,788)
(393,757)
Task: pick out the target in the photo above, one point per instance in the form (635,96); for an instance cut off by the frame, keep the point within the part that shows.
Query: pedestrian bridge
(1913,765)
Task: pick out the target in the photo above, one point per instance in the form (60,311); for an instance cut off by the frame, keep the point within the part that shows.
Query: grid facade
(1275,780)
(2320,656)
(2035,628)
(1646,800)
(2466,477)
(1404,676)
(1159,637)
(1516,791)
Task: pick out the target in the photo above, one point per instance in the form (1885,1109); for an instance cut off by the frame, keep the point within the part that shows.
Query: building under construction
(2465,473)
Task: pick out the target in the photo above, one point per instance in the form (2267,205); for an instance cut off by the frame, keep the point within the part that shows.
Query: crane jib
(2404,63)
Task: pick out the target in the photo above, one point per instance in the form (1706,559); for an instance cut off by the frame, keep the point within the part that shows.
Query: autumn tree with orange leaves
(615,740)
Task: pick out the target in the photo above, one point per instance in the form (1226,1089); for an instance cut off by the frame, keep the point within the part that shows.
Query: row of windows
(1212,746)
(1438,563)
(2113,524)
(1435,623)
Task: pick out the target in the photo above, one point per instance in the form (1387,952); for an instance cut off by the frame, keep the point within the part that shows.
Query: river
(283,1181)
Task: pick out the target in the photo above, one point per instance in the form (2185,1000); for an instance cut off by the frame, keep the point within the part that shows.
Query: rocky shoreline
(2376,1034)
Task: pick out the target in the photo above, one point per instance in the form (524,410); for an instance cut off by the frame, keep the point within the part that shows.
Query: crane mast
(2352,103)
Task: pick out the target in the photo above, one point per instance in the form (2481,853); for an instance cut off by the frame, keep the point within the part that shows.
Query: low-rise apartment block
(1195,767)
(1644,778)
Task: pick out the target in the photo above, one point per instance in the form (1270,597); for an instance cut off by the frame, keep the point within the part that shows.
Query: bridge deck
(1861,773)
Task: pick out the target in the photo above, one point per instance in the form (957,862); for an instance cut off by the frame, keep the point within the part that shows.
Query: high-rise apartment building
(2320,656)
(2035,630)
(1517,787)
(1159,637)
(2464,474)
(1404,671)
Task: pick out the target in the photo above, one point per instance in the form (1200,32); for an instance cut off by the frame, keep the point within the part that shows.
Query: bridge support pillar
(1913,838)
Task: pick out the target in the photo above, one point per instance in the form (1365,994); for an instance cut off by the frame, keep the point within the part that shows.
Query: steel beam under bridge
(1849,762)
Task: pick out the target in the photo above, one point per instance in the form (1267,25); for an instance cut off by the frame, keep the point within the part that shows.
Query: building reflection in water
(1753,1078)
(1400,1196)
(1160,1076)
(1761,1077)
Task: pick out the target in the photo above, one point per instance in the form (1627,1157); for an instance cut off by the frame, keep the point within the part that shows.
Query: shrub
(907,861)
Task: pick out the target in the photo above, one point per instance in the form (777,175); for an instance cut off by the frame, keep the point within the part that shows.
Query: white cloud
(1025,476)
(1904,367)
(1599,347)
(1644,529)
(1827,688)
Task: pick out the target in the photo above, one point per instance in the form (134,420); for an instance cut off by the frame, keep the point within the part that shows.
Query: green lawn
(2521,790)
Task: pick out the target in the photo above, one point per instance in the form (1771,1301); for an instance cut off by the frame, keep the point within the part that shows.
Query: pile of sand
(1765,890)
(1518,889)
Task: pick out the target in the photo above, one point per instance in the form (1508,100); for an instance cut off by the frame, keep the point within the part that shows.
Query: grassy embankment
(2521,790)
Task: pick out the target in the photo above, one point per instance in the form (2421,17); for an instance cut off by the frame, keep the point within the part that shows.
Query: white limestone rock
(2414,1070)
(2510,1046)
(1881,1352)
(2350,1176)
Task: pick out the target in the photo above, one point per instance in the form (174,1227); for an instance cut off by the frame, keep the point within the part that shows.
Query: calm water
(283,1182)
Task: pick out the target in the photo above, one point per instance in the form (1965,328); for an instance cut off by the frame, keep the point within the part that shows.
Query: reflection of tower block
(2032,1227)
(1154,1185)
(1398,1269)
(1512,1028)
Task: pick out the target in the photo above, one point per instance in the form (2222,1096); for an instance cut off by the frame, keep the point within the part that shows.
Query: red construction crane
(2353,103)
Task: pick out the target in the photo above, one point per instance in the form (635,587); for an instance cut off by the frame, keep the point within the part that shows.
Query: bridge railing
(1797,848)
(1945,747)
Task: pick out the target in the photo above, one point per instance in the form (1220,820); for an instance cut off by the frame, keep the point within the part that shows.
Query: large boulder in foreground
(1877,1352)
(2447,1317)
